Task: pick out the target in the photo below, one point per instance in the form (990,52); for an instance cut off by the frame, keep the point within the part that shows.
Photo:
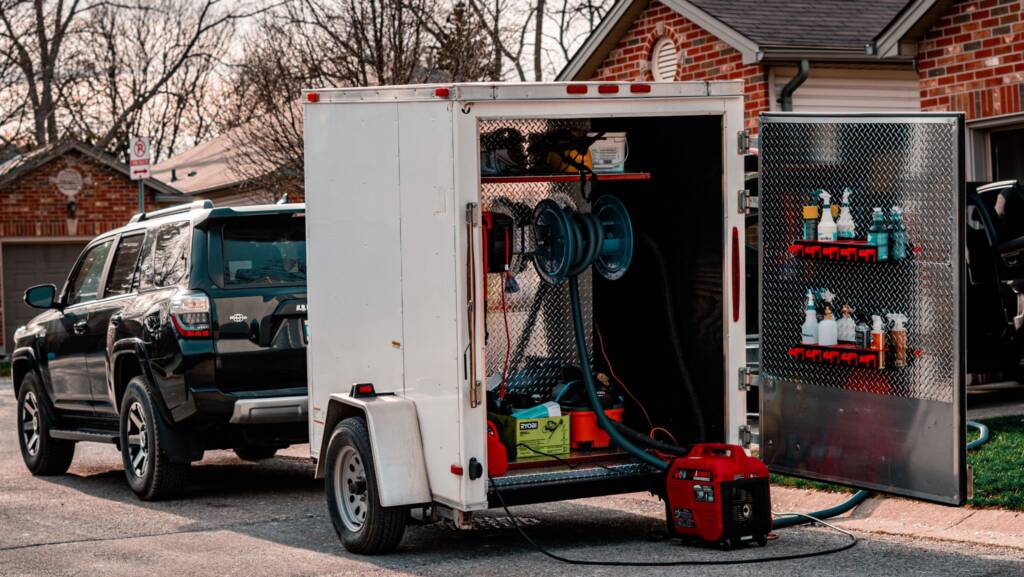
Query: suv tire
(43,454)
(362,524)
(144,435)
(255,452)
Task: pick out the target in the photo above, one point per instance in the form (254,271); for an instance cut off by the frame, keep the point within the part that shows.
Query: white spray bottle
(827,226)
(846,227)
(827,330)
(809,331)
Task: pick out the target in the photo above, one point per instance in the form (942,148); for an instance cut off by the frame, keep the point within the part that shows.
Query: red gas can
(720,495)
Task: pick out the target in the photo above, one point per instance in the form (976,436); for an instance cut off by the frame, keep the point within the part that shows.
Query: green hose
(588,382)
(860,496)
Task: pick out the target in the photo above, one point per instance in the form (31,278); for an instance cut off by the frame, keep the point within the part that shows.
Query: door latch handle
(80,327)
(116,319)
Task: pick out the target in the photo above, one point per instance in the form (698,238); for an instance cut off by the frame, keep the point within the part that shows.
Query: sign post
(139,166)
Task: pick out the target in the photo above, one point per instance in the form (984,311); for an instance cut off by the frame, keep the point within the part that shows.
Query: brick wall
(972,59)
(32,206)
(703,57)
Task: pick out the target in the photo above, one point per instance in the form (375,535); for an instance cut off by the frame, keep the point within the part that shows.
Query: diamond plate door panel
(894,429)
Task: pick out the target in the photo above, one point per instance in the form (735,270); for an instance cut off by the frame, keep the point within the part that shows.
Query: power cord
(522,533)
(571,466)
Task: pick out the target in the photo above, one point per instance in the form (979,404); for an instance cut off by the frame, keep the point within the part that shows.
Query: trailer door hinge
(746,202)
(749,378)
(743,142)
(746,436)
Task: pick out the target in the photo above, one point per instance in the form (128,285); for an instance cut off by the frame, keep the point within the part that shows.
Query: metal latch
(743,142)
(746,436)
(748,378)
(746,202)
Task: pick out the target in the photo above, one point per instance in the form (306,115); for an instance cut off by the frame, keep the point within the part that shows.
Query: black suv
(180,332)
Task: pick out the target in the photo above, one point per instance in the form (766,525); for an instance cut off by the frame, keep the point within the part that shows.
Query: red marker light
(312,97)
(640,88)
(608,89)
(576,89)
(442,93)
(457,470)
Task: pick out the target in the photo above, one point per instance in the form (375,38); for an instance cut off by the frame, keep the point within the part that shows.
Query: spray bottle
(898,235)
(899,338)
(827,226)
(878,234)
(846,227)
(846,328)
(809,331)
(827,330)
(878,339)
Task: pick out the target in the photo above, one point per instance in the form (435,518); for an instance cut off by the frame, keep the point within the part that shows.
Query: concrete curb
(906,518)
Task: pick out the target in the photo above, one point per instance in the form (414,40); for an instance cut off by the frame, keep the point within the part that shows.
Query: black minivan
(179,332)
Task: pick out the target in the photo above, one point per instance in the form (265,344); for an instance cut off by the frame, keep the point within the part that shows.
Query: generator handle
(734,452)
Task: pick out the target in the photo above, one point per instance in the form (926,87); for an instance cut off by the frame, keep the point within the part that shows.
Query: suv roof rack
(195,205)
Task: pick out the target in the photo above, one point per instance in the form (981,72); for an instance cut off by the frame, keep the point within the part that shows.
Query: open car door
(891,421)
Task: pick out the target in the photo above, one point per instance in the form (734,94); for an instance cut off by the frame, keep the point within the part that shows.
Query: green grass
(998,468)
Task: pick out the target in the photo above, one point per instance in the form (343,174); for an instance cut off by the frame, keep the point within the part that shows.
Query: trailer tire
(362,524)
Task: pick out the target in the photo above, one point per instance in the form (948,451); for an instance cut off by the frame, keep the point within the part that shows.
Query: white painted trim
(888,43)
(747,47)
(583,54)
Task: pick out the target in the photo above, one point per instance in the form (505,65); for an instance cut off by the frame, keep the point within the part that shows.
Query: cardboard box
(546,434)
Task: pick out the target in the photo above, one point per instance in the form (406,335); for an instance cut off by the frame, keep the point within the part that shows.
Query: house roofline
(99,156)
(910,23)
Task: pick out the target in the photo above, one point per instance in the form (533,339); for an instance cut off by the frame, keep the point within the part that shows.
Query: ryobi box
(547,435)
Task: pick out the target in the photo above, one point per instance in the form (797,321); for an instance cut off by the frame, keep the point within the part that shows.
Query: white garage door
(25,265)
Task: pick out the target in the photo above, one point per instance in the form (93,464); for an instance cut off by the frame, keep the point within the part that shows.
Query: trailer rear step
(523,487)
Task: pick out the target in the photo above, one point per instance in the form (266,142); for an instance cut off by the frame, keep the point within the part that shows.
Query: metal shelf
(564,177)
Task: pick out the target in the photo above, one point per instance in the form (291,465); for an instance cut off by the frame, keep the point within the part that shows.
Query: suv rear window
(261,252)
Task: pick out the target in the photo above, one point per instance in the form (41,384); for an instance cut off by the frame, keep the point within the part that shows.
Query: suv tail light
(190,314)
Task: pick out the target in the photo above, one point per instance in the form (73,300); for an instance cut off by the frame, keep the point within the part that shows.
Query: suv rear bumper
(269,410)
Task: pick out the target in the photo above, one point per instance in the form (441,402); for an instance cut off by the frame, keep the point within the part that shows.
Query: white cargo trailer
(401,303)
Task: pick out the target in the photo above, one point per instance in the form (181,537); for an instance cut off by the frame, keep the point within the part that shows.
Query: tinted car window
(122,270)
(165,255)
(261,253)
(85,286)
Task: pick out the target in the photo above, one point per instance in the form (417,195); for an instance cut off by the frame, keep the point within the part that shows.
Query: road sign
(138,158)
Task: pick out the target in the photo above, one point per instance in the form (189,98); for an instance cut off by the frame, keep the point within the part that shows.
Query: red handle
(718,450)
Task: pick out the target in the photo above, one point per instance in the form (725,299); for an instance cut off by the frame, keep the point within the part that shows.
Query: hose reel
(568,241)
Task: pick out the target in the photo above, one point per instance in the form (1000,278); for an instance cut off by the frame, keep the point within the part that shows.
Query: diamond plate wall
(886,163)
(540,332)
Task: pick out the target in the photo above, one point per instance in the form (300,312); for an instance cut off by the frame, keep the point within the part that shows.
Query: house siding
(703,56)
(972,59)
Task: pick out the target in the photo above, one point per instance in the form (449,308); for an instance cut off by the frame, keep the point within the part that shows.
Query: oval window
(664,59)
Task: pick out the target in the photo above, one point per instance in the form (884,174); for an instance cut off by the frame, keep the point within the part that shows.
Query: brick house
(53,200)
(860,56)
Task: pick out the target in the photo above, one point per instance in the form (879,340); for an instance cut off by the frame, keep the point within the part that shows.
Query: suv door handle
(81,326)
(116,319)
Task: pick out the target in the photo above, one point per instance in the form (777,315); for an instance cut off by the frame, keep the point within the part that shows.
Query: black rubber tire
(53,457)
(255,453)
(162,479)
(384,526)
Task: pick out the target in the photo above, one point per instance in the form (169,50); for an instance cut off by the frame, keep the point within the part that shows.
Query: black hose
(652,443)
(677,346)
(588,382)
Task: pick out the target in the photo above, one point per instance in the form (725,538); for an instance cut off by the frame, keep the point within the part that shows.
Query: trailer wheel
(362,524)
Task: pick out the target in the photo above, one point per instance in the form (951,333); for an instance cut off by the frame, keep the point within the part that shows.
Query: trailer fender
(394,440)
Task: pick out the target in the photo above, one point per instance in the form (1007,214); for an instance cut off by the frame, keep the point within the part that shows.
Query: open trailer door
(891,420)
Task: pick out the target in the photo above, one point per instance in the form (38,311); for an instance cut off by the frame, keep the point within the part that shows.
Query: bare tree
(90,68)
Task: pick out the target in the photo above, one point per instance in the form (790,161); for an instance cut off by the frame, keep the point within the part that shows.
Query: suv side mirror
(42,296)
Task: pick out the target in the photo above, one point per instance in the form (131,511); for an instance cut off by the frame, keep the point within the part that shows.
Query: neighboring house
(861,56)
(53,200)
(209,171)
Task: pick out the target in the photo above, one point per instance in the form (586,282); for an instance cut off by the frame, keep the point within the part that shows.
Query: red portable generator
(720,495)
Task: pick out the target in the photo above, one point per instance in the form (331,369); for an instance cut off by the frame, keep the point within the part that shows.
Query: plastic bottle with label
(878,234)
(899,235)
(899,339)
(878,339)
(846,327)
(827,226)
(846,228)
(809,330)
(827,330)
